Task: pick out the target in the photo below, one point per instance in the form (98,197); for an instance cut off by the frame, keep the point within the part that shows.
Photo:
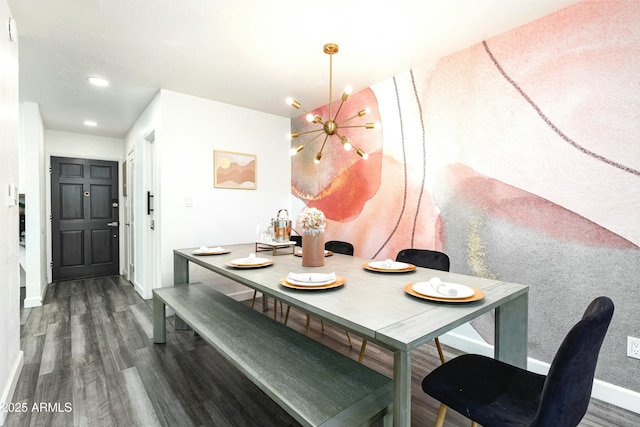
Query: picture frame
(234,170)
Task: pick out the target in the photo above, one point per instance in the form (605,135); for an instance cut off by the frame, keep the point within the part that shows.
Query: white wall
(187,131)
(66,144)
(33,177)
(11,358)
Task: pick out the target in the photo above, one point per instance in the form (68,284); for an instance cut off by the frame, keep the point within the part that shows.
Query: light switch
(13,195)
(188,202)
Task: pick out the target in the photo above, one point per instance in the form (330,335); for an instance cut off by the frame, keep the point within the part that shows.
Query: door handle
(112,224)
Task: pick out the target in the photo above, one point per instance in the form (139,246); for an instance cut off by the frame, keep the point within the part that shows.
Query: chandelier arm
(310,131)
(324,142)
(338,111)
(350,118)
(312,139)
(354,126)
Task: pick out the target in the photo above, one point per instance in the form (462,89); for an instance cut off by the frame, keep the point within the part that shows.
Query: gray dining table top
(371,304)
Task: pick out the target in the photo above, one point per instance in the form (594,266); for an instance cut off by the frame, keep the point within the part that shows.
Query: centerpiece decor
(311,223)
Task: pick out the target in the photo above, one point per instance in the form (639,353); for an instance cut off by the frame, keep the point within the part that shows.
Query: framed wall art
(234,170)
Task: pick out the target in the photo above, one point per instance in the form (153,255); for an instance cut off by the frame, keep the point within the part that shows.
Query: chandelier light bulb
(310,117)
(318,157)
(346,144)
(295,150)
(362,154)
(295,104)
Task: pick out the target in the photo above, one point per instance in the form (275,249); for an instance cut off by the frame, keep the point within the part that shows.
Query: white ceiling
(250,53)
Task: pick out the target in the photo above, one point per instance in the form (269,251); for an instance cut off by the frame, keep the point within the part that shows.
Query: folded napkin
(251,259)
(312,277)
(442,288)
(206,249)
(388,263)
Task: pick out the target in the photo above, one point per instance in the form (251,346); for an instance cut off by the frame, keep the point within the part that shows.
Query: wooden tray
(339,282)
(478,295)
(264,264)
(410,267)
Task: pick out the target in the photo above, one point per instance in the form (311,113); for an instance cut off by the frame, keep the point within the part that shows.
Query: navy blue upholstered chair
(425,258)
(493,393)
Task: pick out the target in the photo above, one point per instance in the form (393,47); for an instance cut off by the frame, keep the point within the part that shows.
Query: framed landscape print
(234,170)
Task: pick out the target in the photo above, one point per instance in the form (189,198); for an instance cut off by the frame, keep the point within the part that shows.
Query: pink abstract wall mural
(519,157)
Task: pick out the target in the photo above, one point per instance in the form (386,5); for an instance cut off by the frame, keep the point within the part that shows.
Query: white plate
(310,284)
(382,265)
(313,280)
(211,251)
(425,288)
(248,261)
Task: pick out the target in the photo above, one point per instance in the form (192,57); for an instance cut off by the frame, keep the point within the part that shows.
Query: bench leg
(159,321)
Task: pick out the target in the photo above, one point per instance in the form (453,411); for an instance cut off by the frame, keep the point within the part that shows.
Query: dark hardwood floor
(89,361)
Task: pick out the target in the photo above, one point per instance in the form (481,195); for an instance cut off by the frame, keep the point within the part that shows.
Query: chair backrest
(297,239)
(339,247)
(424,258)
(567,388)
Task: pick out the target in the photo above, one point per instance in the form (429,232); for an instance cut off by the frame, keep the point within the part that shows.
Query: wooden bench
(313,383)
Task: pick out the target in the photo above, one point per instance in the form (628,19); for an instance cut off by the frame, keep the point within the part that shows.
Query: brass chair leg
(286,316)
(364,346)
(440,353)
(308,324)
(474,424)
(348,338)
(275,310)
(442,412)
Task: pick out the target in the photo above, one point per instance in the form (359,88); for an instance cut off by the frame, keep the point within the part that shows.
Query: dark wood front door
(84,216)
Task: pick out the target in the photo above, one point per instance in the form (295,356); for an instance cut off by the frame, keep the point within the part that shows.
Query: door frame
(150,222)
(48,228)
(128,232)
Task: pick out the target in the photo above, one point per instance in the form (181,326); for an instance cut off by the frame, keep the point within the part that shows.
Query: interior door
(84,216)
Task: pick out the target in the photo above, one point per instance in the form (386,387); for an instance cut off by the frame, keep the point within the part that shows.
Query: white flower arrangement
(311,221)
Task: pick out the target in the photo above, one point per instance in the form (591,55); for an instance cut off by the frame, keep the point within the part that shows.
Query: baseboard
(139,290)
(37,301)
(10,387)
(606,392)
(32,302)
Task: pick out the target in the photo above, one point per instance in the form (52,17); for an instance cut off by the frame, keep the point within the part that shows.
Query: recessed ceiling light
(90,123)
(98,81)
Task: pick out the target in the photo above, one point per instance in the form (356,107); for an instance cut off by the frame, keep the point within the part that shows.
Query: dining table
(377,304)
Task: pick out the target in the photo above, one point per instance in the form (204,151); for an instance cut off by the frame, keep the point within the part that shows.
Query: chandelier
(330,127)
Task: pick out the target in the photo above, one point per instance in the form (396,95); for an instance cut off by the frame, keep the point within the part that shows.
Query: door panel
(84,211)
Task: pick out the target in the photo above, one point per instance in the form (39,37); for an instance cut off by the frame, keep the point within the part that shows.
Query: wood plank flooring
(89,361)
